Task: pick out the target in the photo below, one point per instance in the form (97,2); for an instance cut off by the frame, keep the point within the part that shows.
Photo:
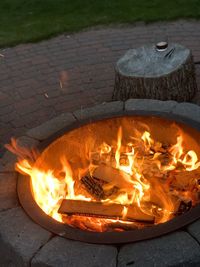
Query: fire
(47,189)
(146,170)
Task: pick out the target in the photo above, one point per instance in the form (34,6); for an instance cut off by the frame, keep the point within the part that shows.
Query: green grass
(33,20)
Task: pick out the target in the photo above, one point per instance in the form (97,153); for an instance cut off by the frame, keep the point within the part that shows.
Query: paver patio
(42,80)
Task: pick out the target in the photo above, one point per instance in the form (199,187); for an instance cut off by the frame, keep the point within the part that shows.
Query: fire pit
(129,173)
(118,176)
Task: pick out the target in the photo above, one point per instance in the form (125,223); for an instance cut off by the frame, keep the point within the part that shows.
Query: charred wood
(97,188)
(184,207)
(93,187)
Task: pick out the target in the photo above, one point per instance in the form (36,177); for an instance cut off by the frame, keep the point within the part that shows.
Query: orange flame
(49,190)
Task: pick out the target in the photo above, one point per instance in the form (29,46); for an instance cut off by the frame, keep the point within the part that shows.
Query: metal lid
(161,46)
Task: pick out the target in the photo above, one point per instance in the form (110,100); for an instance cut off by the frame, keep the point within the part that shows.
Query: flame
(47,189)
(177,149)
(117,153)
(139,160)
(105,148)
(189,159)
(147,139)
(124,212)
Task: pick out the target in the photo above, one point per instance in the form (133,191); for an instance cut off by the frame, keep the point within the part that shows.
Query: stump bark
(148,73)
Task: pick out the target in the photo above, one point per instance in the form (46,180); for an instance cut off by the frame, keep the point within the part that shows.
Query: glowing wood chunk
(114,176)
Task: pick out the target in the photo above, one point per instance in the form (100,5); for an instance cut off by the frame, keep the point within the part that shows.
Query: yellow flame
(105,148)
(124,212)
(119,142)
(147,139)
(49,190)
(190,160)
(177,149)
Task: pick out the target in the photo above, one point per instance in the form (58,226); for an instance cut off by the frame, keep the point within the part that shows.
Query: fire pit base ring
(23,242)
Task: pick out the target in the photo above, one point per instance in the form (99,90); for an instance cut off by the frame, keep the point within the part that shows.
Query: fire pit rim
(34,211)
(79,123)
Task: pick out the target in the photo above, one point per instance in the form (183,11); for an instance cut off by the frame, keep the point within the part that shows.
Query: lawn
(33,20)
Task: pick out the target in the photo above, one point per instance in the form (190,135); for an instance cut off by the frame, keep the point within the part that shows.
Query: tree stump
(148,73)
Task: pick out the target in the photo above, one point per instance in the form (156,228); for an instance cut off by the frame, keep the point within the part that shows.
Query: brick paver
(40,81)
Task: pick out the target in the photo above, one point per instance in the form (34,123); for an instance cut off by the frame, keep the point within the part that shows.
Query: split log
(93,187)
(97,188)
(148,73)
(103,210)
(113,176)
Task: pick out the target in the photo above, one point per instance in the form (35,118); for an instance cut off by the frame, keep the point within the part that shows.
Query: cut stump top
(146,61)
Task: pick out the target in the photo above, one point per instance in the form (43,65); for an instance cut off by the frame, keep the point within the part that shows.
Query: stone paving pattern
(41,81)
(70,72)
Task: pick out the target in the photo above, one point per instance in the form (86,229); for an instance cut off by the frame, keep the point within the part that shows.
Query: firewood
(184,180)
(103,210)
(123,226)
(181,203)
(114,176)
(184,206)
(97,188)
(93,187)
(157,147)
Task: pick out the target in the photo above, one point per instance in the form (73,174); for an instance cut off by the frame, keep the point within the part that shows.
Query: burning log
(184,180)
(158,147)
(103,210)
(93,186)
(126,226)
(118,226)
(97,187)
(114,176)
(184,207)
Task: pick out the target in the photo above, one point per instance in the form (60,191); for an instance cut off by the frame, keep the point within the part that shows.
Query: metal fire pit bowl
(37,215)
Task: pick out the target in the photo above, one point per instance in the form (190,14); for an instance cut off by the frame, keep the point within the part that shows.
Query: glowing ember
(133,169)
